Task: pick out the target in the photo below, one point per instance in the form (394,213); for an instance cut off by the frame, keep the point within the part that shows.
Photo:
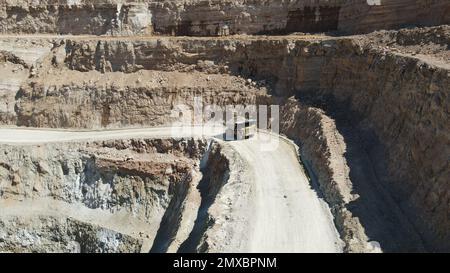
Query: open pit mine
(106,143)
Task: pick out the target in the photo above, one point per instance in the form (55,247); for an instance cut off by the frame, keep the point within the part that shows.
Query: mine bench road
(289,216)
(152,37)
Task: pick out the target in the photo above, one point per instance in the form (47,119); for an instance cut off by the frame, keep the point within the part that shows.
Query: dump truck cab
(241,129)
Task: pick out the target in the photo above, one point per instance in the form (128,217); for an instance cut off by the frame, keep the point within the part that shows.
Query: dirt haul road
(14,135)
(286,213)
(289,216)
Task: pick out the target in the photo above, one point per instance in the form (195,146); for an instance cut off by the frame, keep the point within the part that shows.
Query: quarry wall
(212,18)
(105,196)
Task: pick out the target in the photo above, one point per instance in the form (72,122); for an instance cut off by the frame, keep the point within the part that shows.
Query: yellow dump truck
(243,129)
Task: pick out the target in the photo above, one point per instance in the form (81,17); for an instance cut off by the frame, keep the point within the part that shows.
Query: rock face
(134,19)
(15,75)
(407,108)
(92,197)
(59,234)
(398,102)
(123,100)
(214,17)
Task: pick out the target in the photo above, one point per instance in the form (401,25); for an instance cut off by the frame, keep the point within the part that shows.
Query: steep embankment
(105,196)
(404,102)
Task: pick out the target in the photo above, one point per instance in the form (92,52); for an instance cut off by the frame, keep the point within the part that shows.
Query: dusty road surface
(288,214)
(17,135)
